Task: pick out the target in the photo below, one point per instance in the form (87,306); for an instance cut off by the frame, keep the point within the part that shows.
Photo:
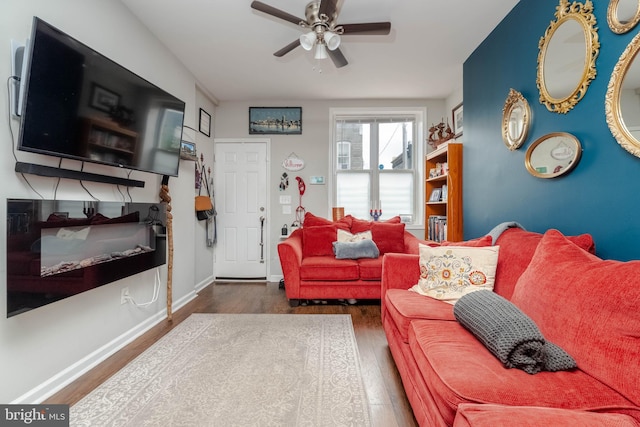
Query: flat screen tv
(81,105)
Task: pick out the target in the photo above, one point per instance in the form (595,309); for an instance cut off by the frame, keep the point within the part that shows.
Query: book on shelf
(437,228)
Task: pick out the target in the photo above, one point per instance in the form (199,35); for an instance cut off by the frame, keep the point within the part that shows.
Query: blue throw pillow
(355,250)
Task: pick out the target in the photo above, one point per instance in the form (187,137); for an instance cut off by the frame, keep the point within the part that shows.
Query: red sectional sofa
(587,306)
(311,270)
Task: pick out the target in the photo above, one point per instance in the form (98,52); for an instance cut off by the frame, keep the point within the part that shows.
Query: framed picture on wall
(188,151)
(275,120)
(205,122)
(457,120)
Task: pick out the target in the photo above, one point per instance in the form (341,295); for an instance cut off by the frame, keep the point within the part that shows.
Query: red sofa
(311,270)
(585,305)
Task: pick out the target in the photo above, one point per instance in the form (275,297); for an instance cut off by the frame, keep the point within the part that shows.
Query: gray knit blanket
(501,228)
(509,334)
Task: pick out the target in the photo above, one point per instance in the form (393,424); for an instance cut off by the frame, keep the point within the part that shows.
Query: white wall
(42,349)
(203,256)
(312,146)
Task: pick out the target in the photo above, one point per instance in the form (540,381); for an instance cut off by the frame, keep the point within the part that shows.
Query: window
(375,159)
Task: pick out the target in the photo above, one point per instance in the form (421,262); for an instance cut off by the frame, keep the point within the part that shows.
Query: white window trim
(419,151)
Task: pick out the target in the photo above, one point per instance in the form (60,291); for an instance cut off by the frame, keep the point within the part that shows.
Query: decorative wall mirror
(567,56)
(553,155)
(622,101)
(516,118)
(623,15)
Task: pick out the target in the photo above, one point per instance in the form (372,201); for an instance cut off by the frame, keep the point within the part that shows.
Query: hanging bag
(204,207)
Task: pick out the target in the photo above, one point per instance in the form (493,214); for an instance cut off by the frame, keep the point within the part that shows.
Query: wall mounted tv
(81,105)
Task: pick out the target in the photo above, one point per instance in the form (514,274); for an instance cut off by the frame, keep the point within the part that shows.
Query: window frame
(418,147)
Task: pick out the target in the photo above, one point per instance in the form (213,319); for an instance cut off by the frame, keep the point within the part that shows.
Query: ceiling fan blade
(369,28)
(270,10)
(288,48)
(337,57)
(331,8)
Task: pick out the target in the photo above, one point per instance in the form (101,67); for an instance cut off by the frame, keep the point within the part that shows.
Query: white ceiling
(229,47)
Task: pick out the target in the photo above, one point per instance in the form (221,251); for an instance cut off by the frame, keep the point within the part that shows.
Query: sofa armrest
(290,253)
(471,414)
(411,243)
(399,271)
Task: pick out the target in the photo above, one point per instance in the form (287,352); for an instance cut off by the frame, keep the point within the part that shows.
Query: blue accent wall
(601,196)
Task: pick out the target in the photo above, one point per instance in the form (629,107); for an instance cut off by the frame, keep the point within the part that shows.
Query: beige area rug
(238,370)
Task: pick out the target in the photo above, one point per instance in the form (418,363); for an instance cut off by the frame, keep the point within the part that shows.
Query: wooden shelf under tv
(451,208)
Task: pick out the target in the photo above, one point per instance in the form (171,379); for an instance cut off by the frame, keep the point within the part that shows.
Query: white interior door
(240,180)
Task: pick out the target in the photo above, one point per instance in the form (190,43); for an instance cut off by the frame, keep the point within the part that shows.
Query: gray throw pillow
(356,250)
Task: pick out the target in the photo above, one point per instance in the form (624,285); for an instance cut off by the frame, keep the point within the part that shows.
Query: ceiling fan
(323,29)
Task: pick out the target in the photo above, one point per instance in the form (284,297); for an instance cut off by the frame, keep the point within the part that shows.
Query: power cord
(13,138)
(154,298)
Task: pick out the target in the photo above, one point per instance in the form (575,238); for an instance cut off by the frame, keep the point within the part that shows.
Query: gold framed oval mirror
(622,101)
(623,15)
(567,56)
(553,155)
(516,118)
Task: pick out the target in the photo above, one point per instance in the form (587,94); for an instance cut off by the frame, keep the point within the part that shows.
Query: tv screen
(81,105)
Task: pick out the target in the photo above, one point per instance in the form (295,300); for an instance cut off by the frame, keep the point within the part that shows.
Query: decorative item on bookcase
(436,194)
(444,194)
(439,134)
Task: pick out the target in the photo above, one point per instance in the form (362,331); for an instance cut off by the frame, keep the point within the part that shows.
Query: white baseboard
(67,376)
(204,283)
(276,277)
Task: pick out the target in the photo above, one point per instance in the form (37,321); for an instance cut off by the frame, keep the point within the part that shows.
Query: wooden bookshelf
(445,207)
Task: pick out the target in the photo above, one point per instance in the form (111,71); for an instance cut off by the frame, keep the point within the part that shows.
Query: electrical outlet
(124,295)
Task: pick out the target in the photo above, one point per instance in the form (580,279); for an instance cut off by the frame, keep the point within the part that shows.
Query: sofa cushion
(595,309)
(318,240)
(449,272)
(403,306)
(345,236)
(459,369)
(516,249)
(490,415)
(311,220)
(479,242)
(370,268)
(360,225)
(328,268)
(389,237)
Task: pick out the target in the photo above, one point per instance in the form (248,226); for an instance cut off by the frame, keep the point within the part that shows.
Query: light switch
(286,209)
(285,200)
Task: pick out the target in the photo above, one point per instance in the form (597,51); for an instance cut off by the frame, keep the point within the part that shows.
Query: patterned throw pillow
(449,272)
(346,237)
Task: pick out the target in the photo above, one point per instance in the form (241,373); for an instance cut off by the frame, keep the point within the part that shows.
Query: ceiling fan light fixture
(321,51)
(307,40)
(332,40)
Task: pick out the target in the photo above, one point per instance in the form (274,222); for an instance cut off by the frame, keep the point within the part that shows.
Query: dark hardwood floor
(387,400)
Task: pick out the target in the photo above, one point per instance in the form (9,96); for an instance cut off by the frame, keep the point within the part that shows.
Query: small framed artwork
(205,122)
(102,98)
(188,151)
(457,120)
(275,120)
(435,195)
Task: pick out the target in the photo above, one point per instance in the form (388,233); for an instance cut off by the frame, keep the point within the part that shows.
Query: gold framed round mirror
(622,100)
(553,155)
(516,118)
(623,15)
(567,56)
